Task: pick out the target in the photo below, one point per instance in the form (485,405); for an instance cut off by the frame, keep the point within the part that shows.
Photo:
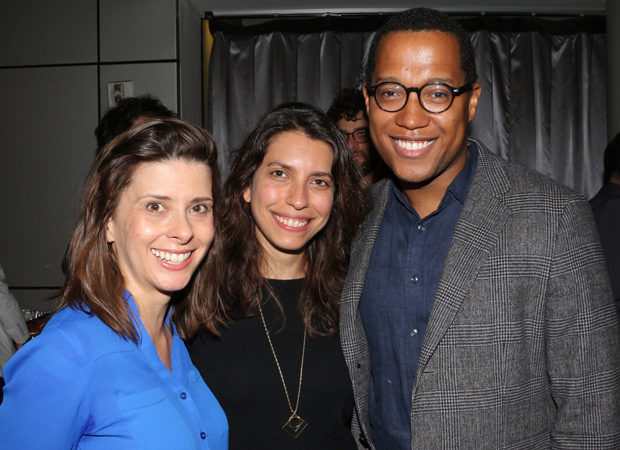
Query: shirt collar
(133,307)
(460,185)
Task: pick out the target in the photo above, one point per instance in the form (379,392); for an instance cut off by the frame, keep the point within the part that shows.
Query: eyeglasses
(434,97)
(359,136)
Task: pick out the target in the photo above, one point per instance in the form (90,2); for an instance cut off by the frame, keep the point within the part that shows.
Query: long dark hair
(94,280)
(238,263)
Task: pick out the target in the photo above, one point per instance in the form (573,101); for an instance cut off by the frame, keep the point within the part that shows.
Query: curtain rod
(347,12)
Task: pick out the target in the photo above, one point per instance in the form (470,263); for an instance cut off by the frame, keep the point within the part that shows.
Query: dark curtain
(544,84)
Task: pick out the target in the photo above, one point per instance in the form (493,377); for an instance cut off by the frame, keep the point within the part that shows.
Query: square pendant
(295,425)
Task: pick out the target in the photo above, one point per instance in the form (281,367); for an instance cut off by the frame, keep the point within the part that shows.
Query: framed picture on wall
(118,90)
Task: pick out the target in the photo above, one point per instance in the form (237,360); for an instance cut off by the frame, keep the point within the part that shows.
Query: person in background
(477,312)
(127,113)
(606,208)
(348,111)
(13,329)
(292,203)
(109,370)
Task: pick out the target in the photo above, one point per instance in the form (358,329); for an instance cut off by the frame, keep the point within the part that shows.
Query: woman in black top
(272,357)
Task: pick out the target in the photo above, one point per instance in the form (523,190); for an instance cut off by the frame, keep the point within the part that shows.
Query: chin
(410,176)
(172,286)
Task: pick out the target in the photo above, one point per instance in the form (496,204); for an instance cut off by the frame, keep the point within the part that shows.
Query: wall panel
(137,30)
(158,79)
(48,116)
(33,32)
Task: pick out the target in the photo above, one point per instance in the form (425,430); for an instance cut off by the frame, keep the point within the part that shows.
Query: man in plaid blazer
(518,346)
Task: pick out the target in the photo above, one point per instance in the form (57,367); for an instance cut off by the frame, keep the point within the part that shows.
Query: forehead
(359,122)
(427,54)
(296,149)
(168,176)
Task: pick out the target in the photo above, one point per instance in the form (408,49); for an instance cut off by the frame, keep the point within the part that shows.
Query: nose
(352,143)
(181,228)
(413,116)
(298,196)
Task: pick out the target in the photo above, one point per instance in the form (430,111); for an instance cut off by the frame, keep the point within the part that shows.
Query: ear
(366,100)
(109,231)
(473,101)
(247,194)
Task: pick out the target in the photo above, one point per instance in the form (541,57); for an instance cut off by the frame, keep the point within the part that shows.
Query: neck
(153,307)
(283,266)
(426,196)
(153,317)
(424,199)
(615,180)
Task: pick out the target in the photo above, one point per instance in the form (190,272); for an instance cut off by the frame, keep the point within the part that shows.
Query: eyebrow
(449,81)
(165,197)
(324,174)
(287,167)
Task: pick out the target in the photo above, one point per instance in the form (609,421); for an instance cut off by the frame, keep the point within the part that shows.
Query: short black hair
(121,117)
(611,159)
(425,19)
(347,105)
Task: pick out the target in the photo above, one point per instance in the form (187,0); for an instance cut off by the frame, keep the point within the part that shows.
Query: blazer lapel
(363,244)
(352,335)
(476,234)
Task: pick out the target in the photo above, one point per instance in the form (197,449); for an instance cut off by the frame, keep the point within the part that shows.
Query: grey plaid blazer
(522,346)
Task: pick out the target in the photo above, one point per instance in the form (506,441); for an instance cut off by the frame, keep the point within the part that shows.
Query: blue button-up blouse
(80,386)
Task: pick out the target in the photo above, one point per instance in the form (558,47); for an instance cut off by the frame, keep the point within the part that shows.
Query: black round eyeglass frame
(372,90)
(353,135)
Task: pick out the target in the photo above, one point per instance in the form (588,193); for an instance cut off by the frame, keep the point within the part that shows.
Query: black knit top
(240,369)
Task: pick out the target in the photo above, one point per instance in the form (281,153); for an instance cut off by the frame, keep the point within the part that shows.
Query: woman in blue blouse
(110,370)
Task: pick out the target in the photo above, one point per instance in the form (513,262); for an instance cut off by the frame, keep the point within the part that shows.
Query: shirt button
(414,333)
(203,435)
(183,395)
(421,228)
(415,279)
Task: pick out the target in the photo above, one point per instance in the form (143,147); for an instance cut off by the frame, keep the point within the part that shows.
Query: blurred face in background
(364,154)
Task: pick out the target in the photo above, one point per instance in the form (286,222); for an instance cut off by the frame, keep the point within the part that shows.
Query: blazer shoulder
(518,184)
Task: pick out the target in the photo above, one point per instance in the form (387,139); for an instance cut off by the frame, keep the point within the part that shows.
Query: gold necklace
(295,424)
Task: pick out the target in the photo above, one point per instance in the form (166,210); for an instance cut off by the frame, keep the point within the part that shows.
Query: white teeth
(295,223)
(413,145)
(172,258)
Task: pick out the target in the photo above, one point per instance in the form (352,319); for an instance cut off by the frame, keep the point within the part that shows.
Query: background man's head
(348,111)
(611,161)
(127,113)
(422,144)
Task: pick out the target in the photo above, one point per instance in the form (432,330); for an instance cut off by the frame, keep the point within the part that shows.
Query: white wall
(54,70)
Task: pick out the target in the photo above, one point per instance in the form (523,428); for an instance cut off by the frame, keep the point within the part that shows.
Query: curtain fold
(543,101)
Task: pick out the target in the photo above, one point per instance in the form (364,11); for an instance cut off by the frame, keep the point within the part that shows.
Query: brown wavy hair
(236,283)
(94,282)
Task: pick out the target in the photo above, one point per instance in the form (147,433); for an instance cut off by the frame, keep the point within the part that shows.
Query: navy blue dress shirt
(403,275)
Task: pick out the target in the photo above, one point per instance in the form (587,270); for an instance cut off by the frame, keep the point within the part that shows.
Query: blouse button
(183,395)
(203,435)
